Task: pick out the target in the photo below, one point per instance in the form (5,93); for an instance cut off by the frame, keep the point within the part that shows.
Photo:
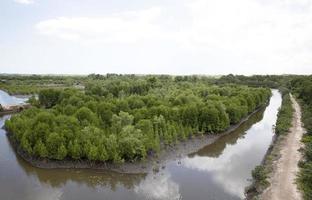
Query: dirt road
(283,185)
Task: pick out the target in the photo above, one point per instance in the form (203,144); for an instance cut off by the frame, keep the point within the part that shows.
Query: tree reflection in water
(215,149)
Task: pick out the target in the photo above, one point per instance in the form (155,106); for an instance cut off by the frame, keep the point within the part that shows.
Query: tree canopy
(126,118)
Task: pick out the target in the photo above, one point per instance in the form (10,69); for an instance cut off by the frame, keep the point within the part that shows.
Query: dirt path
(283,185)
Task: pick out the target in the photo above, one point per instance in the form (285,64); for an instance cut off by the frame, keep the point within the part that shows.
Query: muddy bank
(13,109)
(7,112)
(182,149)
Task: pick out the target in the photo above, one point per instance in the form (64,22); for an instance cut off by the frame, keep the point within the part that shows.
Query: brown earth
(283,186)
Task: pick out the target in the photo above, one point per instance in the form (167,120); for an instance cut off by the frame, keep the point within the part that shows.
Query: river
(218,171)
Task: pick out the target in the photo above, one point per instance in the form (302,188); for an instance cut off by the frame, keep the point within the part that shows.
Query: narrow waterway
(219,171)
(7,100)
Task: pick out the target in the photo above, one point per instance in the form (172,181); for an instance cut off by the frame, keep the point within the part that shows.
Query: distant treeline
(271,81)
(32,84)
(125,118)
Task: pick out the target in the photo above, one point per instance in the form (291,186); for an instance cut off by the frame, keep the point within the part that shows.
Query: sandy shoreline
(177,151)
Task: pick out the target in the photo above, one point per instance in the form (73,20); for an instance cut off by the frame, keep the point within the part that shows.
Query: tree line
(126,118)
(271,81)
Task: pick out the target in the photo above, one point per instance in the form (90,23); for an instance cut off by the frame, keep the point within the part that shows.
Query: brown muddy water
(218,171)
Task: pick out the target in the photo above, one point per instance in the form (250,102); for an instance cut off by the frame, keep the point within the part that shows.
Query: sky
(156,37)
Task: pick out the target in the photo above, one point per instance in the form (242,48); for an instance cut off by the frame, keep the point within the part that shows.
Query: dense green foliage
(272,81)
(302,87)
(260,175)
(284,116)
(32,84)
(126,118)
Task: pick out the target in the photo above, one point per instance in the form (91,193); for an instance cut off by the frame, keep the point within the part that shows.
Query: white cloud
(126,27)
(272,32)
(24,1)
(263,34)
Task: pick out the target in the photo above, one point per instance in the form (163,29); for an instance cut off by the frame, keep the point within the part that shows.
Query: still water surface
(6,99)
(218,171)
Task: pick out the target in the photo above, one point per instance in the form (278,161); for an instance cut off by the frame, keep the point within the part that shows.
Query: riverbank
(12,104)
(265,169)
(152,163)
(13,109)
(285,170)
(277,174)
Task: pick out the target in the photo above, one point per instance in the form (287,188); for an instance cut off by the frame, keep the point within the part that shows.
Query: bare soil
(282,182)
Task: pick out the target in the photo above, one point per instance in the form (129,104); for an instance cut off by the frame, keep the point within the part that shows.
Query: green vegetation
(302,87)
(284,116)
(32,84)
(126,118)
(260,174)
(272,81)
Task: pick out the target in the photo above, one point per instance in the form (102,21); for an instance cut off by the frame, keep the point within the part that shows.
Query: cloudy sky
(156,36)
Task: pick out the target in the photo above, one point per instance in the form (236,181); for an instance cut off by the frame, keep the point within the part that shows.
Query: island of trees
(127,118)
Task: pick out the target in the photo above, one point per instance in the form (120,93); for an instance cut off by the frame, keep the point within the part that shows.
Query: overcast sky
(156,36)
